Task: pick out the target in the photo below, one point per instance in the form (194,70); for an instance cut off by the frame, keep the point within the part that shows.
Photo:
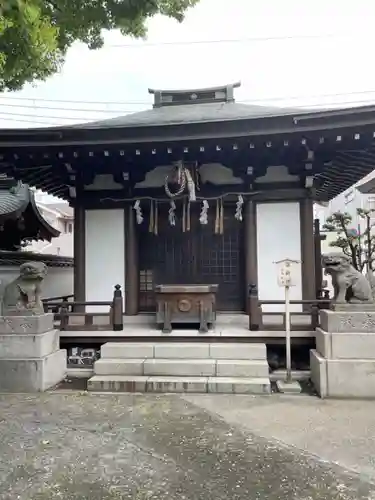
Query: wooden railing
(305,320)
(53,304)
(73,315)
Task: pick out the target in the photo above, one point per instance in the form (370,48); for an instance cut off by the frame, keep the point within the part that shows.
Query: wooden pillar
(80,254)
(250,243)
(307,249)
(318,238)
(131,263)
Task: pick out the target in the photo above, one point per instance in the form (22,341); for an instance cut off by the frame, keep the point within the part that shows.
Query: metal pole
(287,339)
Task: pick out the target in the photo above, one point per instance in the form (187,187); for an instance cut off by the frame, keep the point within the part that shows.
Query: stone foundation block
(121,383)
(347,321)
(119,367)
(28,346)
(175,384)
(32,375)
(345,345)
(343,378)
(126,350)
(117,383)
(179,350)
(222,385)
(318,368)
(238,351)
(180,368)
(241,368)
(26,324)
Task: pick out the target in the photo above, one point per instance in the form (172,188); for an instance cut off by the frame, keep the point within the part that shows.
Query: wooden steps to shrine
(182,367)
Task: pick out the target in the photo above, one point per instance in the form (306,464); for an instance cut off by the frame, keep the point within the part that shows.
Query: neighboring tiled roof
(48,231)
(17,258)
(14,199)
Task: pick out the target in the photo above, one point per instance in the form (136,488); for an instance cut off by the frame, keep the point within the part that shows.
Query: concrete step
(186,350)
(182,367)
(157,384)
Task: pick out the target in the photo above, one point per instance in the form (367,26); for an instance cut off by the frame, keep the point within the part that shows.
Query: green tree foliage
(36,34)
(358,244)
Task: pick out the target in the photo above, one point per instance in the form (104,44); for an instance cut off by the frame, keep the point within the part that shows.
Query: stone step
(182,367)
(186,350)
(157,384)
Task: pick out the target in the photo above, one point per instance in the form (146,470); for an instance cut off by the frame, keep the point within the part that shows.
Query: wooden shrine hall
(200,191)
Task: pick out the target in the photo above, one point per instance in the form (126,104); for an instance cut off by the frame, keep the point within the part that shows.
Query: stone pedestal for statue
(343,363)
(30,356)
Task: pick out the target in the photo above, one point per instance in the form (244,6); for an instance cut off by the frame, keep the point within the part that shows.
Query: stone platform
(30,357)
(178,367)
(343,363)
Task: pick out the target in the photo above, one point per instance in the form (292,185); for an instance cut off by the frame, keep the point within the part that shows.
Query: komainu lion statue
(350,285)
(22,296)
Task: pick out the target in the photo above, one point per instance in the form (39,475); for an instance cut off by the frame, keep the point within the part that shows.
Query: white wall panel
(278,237)
(105,255)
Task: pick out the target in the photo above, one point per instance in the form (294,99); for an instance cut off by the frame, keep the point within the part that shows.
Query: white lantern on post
(287,276)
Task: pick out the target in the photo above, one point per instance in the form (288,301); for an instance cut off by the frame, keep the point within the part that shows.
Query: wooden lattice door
(198,256)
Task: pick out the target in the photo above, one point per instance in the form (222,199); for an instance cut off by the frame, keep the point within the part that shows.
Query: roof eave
(48,230)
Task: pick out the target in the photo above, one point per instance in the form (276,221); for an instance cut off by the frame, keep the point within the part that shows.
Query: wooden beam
(131,263)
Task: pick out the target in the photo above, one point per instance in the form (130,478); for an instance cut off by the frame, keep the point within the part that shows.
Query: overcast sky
(284,52)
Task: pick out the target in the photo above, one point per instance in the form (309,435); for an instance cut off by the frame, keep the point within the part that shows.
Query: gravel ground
(79,446)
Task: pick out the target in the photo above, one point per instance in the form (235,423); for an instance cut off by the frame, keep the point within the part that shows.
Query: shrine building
(198,190)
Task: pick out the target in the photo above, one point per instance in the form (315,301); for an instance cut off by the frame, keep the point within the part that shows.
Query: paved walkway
(342,432)
(104,447)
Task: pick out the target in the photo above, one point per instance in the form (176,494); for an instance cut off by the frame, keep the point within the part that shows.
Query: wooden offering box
(186,304)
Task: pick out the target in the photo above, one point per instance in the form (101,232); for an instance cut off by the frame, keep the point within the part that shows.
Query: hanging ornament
(184,216)
(183,179)
(217,217)
(221,220)
(203,218)
(138,212)
(188,216)
(156,212)
(171,214)
(239,204)
(151,222)
(190,185)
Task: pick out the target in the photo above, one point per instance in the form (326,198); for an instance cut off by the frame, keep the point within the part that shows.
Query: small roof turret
(223,93)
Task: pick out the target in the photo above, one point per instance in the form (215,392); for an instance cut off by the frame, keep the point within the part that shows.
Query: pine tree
(356,243)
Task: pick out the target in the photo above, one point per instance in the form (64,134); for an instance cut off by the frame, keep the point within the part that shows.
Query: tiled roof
(14,199)
(17,258)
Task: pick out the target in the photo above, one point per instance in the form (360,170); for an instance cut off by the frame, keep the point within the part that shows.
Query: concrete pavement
(102,447)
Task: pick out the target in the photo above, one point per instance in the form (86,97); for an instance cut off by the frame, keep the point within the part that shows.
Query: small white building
(60,216)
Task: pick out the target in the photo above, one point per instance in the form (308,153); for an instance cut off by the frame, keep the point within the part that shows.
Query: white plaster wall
(58,282)
(105,255)
(278,237)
